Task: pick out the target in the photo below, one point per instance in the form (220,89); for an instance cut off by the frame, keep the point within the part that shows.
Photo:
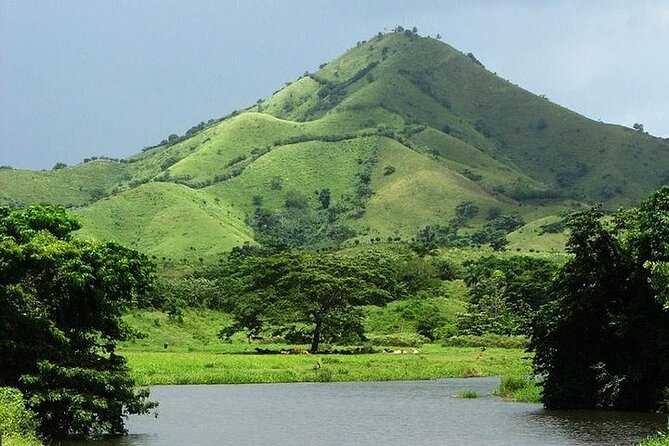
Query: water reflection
(601,427)
(380,413)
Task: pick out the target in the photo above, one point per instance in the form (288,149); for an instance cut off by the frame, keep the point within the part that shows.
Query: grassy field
(190,352)
(429,362)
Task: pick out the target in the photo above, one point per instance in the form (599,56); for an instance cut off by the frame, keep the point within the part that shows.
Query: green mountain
(390,137)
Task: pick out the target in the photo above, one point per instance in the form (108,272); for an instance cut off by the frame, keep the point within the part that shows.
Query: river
(407,413)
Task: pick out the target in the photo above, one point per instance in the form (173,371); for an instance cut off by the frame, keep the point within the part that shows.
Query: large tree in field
(61,302)
(604,339)
(323,291)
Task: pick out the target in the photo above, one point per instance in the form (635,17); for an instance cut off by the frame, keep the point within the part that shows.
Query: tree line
(598,325)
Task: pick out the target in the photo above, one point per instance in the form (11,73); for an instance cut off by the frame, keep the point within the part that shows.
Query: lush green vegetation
(430,362)
(519,388)
(18,425)
(601,341)
(61,302)
(401,131)
(655,440)
(399,214)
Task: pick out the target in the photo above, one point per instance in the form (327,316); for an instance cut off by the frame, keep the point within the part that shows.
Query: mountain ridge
(399,131)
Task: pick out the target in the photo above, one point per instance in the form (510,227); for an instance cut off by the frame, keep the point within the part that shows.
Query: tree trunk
(317,336)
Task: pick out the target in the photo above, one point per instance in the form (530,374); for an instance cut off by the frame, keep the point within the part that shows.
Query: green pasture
(427,362)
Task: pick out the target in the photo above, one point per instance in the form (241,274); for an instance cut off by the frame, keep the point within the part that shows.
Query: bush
(519,388)
(398,340)
(468,393)
(487,340)
(16,421)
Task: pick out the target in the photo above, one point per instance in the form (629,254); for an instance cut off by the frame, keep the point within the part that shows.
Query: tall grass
(660,439)
(519,388)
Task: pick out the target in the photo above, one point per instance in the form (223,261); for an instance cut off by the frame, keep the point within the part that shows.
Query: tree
(505,293)
(601,342)
(61,302)
(324,198)
(59,166)
(321,290)
(466,210)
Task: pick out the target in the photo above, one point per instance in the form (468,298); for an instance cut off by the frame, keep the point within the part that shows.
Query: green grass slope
(400,129)
(172,222)
(72,186)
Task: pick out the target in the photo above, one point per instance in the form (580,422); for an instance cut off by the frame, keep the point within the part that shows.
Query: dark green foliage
(174,295)
(494,232)
(324,198)
(59,166)
(61,302)
(487,340)
(276,183)
(323,291)
(439,236)
(569,177)
(467,210)
(475,60)
(493,213)
(235,160)
(97,193)
(169,161)
(298,226)
(445,269)
(506,223)
(429,320)
(505,293)
(601,342)
(468,173)
(554,228)
(296,201)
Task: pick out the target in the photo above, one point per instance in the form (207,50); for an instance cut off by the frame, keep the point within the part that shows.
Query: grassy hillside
(178,225)
(398,131)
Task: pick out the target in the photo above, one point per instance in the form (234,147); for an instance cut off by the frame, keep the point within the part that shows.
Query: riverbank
(428,362)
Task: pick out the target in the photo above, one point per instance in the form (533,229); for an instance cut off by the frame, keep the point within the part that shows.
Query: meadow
(187,350)
(427,362)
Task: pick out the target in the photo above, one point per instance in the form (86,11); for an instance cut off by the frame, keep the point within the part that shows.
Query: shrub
(486,340)
(398,340)
(519,388)
(467,393)
(15,419)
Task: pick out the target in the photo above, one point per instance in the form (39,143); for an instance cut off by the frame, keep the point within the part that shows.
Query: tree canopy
(602,341)
(322,291)
(61,302)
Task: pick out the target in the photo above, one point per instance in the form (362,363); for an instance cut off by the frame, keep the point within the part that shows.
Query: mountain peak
(399,133)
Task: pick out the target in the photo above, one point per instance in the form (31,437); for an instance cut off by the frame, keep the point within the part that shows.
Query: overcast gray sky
(80,78)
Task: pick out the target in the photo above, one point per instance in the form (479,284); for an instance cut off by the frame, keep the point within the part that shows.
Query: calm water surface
(407,413)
